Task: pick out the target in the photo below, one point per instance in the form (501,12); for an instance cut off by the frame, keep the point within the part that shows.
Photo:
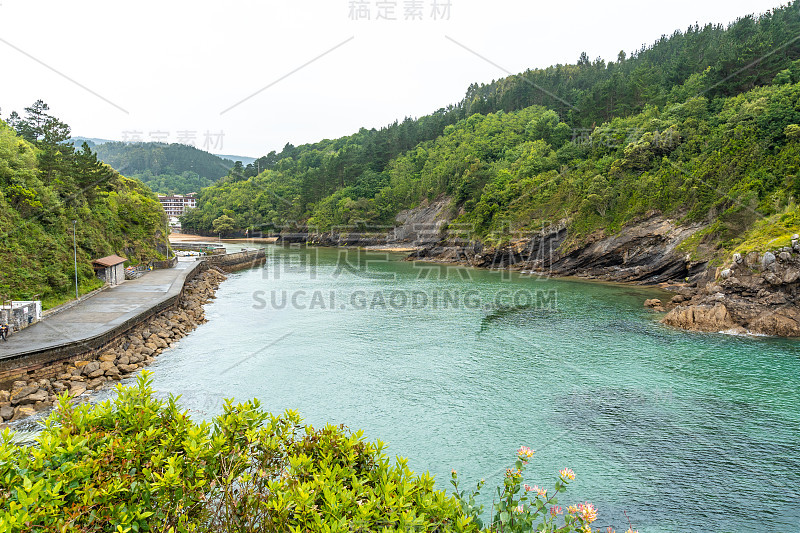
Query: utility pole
(75,256)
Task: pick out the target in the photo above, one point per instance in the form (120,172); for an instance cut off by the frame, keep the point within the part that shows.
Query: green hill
(165,168)
(701,125)
(44,185)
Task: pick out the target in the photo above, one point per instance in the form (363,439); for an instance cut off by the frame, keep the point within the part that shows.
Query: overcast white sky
(175,67)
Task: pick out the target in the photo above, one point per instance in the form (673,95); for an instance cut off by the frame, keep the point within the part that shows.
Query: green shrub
(139,464)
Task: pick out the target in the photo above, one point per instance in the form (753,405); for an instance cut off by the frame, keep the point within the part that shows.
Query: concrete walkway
(98,315)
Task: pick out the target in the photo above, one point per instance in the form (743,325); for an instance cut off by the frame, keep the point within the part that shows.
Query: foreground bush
(141,464)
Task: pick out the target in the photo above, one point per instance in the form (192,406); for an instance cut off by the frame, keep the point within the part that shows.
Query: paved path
(99,314)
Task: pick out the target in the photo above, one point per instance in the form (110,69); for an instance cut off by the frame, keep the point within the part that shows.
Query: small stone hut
(110,269)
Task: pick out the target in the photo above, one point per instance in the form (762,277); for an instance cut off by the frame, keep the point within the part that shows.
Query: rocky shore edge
(755,294)
(122,357)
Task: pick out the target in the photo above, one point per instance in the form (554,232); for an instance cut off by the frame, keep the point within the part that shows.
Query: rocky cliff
(643,252)
(756,294)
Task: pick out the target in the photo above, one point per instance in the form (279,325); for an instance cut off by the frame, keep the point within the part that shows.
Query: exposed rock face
(131,354)
(418,227)
(758,292)
(704,317)
(642,252)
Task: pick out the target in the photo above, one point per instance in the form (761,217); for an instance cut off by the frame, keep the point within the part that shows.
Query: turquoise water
(680,431)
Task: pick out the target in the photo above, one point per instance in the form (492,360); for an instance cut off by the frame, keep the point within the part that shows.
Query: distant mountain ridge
(243,158)
(165,168)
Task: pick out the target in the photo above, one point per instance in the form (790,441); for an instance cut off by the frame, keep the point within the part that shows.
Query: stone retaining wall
(237,260)
(29,363)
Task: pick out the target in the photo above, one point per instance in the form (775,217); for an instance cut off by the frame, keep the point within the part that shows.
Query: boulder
(18,396)
(785,256)
(106,365)
(96,383)
(90,367)
(790,274)
(108,356)
(778,323)
(77,390)
(96,374)
(39,396)
(751,260)
(6,413)
(709,318)
(767,259)
(23,411)
(123,360)
(5,396)
(653,303)
(80,364)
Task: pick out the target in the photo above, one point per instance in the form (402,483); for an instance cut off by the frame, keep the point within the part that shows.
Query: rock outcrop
(757,293)
(643,252)
(135,350)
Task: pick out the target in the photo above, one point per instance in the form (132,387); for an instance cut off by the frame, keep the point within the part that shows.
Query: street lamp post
(75,256)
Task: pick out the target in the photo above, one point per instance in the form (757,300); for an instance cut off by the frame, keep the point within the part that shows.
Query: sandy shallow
(185,237)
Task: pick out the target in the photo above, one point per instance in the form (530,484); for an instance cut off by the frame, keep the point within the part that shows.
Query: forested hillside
(165,168)
(701,125)
(45,185)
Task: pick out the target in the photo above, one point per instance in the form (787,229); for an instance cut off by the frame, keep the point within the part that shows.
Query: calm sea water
(456,368)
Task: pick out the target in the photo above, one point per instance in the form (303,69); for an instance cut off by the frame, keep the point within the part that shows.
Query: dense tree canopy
(701,125)
(45,185)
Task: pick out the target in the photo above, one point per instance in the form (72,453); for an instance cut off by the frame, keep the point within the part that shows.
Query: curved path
(89,323)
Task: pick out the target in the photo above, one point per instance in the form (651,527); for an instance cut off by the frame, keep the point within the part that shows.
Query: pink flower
(556,509)
(566,474)
(588,512)
(540,491)
(527,487)
(520,508)
(524,453)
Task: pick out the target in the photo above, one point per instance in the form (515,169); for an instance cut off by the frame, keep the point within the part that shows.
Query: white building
(177,204)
